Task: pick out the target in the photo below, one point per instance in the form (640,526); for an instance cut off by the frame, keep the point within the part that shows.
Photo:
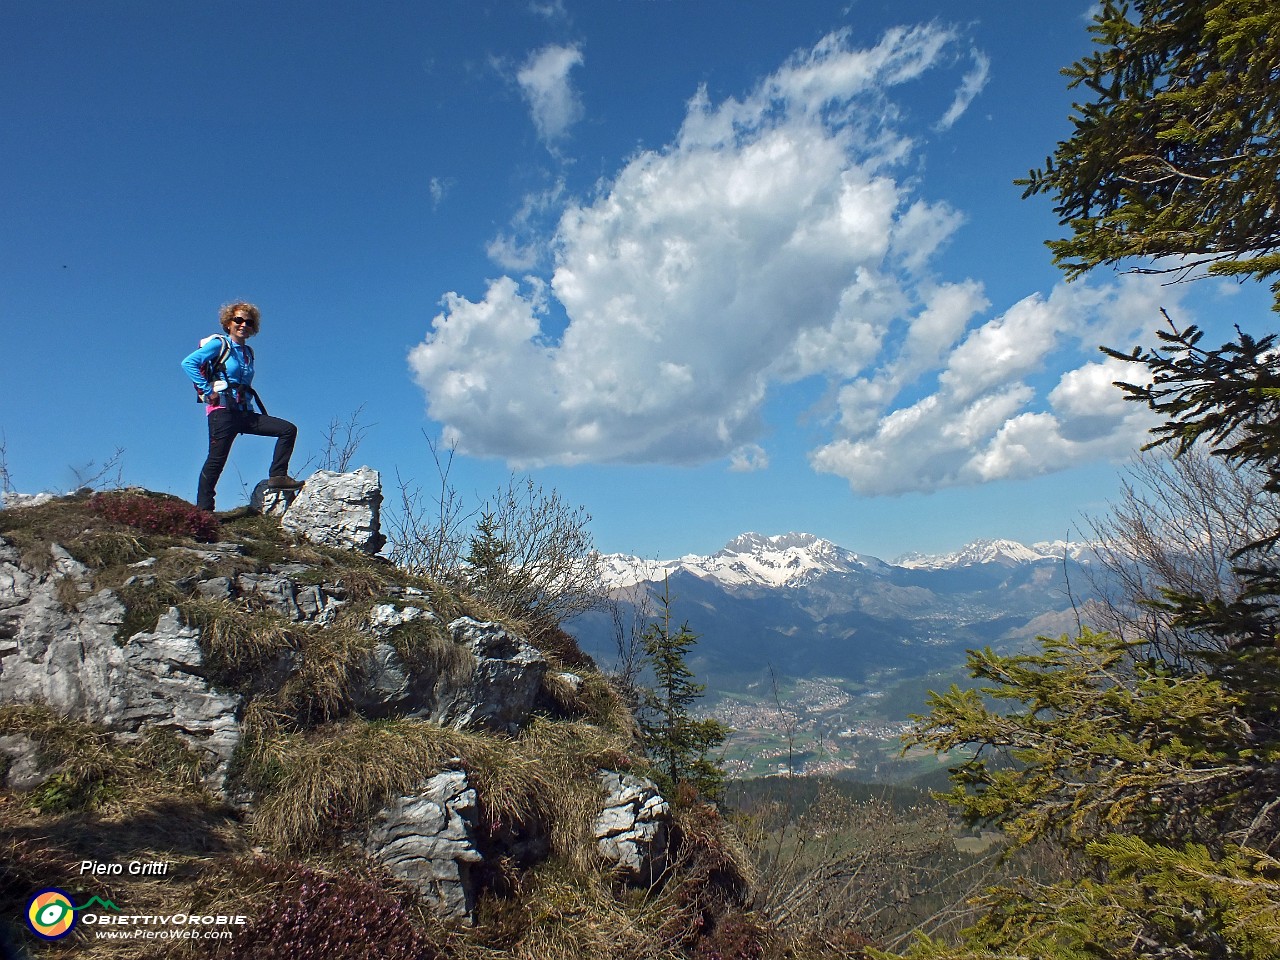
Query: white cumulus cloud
(779,237)
(985,421)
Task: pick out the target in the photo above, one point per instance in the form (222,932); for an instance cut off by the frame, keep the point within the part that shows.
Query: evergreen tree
(677,741)
(488,555)
(1176,156)
(1159,776)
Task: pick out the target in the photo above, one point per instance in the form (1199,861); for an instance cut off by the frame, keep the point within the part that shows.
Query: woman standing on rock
(222,370)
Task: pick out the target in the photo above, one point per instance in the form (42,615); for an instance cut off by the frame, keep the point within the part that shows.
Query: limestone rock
(270,502)
(494,686)
(219,588)
(390,686)
(427,838)
(300,602)
(632,828)
(14,501)
(339,510)
(505,680)
(20,770)
(15,589)
(65,565)
(68,659)
(167,690)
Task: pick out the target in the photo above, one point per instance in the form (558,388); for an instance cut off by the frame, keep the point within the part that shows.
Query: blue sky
(702,266)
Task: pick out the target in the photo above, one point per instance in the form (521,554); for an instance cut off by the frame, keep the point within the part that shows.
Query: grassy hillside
(310,770)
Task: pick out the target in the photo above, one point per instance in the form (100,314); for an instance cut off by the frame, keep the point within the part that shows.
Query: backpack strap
(211,368)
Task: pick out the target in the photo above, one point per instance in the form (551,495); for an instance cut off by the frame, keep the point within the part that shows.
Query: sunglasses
(242,320)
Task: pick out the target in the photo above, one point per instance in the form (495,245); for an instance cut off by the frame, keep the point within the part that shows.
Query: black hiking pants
(224,426)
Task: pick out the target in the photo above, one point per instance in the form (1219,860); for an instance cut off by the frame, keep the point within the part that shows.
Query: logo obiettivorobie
(51,914)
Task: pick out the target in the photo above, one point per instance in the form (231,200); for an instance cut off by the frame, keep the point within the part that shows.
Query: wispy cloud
(748,458)
(780,237)
(551,9)
(521,246)
(440,188)
(969,88)
(544,81)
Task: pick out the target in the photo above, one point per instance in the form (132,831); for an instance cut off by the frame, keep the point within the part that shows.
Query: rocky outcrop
(282,592)
(64,643)
(67,657)
(504,684)
(339,510)
(15,500)
(165,689)
(428,839)
(633,827)
(478,675)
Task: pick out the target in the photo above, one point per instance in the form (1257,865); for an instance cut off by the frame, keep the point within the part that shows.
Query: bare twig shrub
(110,474)
(340,442)
(427,535)
(846,865)
(1177,526)
(630,611)
(545,568)
(6,482)
(524,551)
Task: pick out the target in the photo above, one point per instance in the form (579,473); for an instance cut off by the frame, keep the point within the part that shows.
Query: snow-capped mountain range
(794,558)
(808,607)
(1007,553)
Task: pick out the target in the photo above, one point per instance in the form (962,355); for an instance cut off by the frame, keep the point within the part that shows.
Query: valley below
(817,657)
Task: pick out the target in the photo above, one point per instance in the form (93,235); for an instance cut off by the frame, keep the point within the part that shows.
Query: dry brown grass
(592,697)
(240,645)
(314,786)
(563,913)
(95,770)
(109,801)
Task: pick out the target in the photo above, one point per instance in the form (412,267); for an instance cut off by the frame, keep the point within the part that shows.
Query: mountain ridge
(754,559)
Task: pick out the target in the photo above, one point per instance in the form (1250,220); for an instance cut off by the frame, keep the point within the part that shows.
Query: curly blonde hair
(229,311)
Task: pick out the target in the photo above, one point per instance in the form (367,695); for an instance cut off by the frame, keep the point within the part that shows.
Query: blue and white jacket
(238,366)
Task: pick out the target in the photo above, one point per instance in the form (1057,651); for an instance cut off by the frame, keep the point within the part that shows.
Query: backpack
(215,371)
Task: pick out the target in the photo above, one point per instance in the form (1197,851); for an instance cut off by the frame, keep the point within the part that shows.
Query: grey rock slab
(15,501)
(69,660)
(633,827)
(24,771)
(505,680)
(340,510)
(427,838)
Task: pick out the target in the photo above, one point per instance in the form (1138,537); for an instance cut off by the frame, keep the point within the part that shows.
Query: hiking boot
(284,483)
(235,514)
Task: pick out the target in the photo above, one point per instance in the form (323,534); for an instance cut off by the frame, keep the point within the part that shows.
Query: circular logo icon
(51,914)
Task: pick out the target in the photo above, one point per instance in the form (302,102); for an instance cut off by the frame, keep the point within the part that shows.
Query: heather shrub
(335,916)
(156,514)
(735,936)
